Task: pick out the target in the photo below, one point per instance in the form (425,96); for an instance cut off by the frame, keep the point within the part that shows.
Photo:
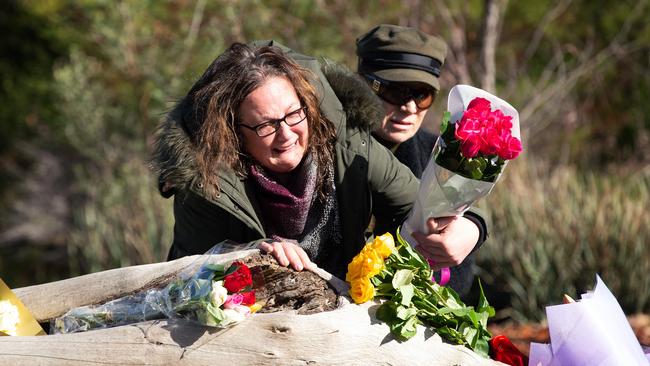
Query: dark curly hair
(209,110)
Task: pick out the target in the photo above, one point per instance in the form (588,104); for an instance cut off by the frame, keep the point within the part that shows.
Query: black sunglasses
(400,94)
(271,126)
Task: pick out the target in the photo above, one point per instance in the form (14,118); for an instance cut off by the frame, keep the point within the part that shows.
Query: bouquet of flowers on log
(207,292)
(478,135)
(402,277)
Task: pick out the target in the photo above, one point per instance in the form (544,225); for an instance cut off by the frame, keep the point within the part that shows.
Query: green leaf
(483,317)
(216,313)
(459,312)
(482,347)
(383,289)
(424,306)
(405,313)
(470,334)
(402,277)
(474,168)
(444,124)
(376,281)
(406,329)
(406,252)
(450,335)
(482,300)
(409,329)
(451,298)
(387,312)
(220,268)
(413,299)
(407,294)
(231,269)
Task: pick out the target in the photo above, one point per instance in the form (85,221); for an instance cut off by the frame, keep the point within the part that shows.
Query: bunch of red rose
(231,299)
(239,280)
(485,131)
(478,145)
(502,350)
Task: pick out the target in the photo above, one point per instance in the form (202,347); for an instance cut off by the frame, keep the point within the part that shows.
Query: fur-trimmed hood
(363,109)
(174,152)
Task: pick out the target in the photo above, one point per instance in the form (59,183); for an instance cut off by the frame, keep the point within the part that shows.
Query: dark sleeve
(393,187)
(474,215)
(425,140)
(416,151)
(200,224)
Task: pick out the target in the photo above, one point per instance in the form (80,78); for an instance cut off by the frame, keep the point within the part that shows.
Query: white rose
(9,317)
(219,293)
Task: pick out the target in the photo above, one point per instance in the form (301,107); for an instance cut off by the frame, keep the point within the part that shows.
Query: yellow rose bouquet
(402,278)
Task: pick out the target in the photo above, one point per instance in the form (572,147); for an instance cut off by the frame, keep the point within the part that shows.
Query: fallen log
(349,335)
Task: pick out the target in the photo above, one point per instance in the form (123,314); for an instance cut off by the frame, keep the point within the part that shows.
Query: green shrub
(555,228)
(122,222)
(119,218)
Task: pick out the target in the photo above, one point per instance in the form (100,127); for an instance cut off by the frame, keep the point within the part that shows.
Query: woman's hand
(288,252)
(449,242)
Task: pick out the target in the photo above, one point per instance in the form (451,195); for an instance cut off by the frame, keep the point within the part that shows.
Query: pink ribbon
(445,274)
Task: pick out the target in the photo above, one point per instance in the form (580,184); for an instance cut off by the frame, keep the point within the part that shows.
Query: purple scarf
(285,207)
(291,210)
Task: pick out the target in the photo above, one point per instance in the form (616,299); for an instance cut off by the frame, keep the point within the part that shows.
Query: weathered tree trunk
(349,335)
(491,30)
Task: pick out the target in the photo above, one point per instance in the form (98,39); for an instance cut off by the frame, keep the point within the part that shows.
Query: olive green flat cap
(401,54)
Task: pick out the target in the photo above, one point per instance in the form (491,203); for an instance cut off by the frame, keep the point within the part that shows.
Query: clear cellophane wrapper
(183,298)
(443,192)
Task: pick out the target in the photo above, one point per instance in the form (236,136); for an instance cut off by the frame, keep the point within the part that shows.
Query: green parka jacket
(369,180)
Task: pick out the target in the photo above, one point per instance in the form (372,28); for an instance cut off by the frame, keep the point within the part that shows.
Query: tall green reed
(555,227)
(119,219)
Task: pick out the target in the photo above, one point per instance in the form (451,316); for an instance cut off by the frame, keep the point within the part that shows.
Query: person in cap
(402,65)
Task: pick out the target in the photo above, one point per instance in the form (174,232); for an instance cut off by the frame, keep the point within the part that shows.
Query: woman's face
(400,122)
(283,150)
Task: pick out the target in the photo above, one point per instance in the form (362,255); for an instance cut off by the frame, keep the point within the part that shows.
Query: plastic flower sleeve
(444,192)
(189,296)
(593,331)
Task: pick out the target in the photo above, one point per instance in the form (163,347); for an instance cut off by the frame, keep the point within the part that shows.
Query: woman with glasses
(262,150)
(402,66)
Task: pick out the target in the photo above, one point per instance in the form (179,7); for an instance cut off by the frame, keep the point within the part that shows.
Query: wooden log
(349,335)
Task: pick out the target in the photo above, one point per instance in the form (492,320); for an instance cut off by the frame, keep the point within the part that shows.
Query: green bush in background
(556,227)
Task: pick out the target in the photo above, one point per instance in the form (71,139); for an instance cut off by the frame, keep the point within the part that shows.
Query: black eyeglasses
(271,126)
(399,94)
